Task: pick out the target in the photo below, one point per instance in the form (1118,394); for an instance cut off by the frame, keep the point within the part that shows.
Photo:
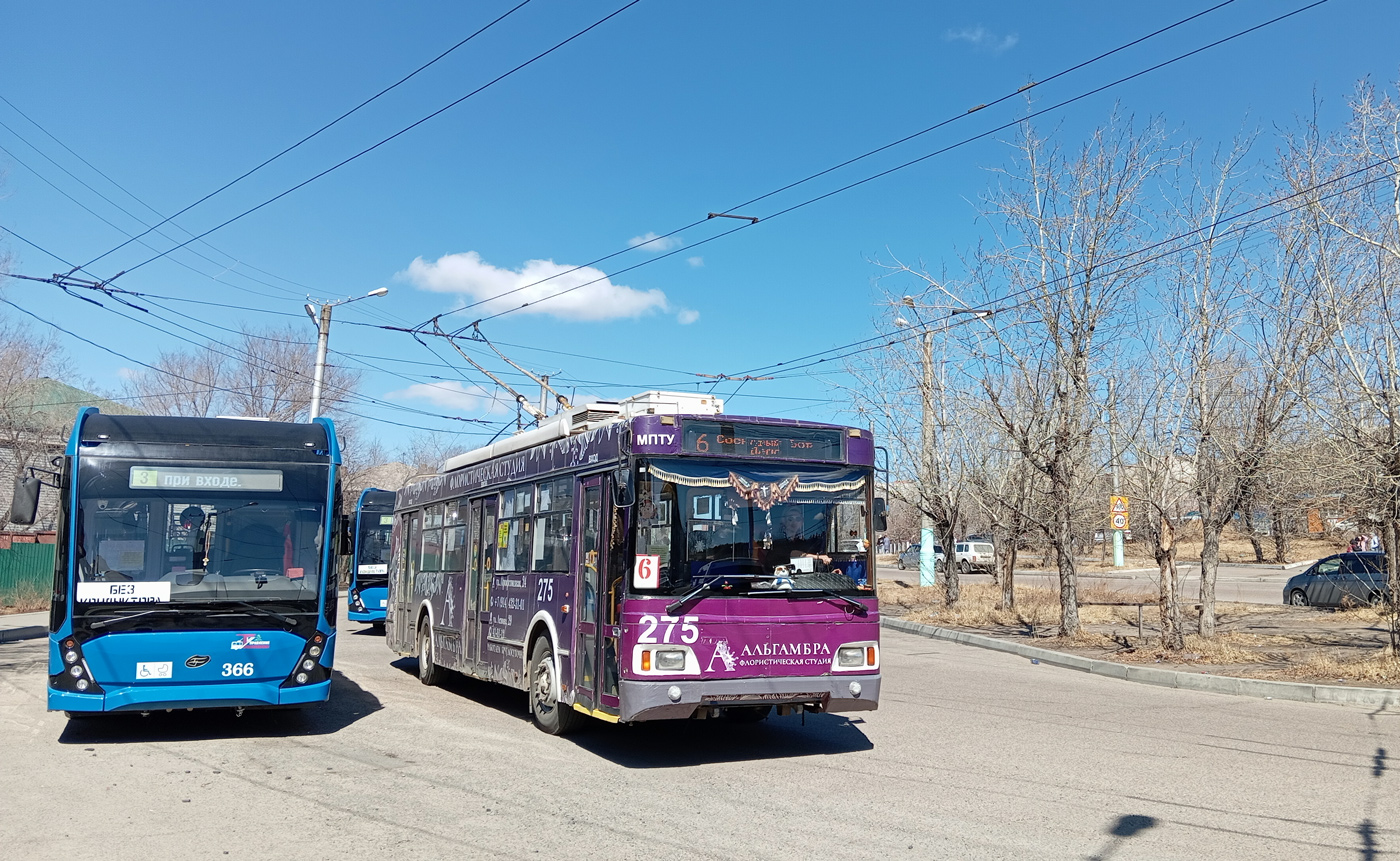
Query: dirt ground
(1340,647)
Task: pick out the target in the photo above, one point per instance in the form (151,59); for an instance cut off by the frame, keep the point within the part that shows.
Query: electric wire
(912,162)
(323,128)
(392,137)
(824,172)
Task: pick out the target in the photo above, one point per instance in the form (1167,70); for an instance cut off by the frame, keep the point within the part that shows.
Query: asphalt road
(973,754)
(1250,584)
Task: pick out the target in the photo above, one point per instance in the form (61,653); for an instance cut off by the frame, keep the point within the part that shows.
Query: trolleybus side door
(481,587)
(588,588)
(405,614)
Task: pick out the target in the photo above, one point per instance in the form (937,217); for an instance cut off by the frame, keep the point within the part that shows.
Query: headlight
(314,651)
(75,670)
(670,659)
(71,657)
(301,678)
(308,664)
(82,684)
(850,656)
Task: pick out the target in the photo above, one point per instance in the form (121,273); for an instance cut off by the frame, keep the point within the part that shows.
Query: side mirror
(882,518)
(25,507)
(622,493)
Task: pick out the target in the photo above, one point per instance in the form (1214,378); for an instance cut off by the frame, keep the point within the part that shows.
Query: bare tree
(1351,186)
(264,372)
(1066,225)
(30,434)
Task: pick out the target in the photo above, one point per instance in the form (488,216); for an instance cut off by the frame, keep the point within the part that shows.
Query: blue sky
(664,113)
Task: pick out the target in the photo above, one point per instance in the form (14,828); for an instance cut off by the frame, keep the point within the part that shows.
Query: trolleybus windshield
(372,558)
(192,532)
(754,529)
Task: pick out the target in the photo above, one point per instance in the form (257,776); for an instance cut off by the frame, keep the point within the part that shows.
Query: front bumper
(368,605)
(153,698)
(651,700)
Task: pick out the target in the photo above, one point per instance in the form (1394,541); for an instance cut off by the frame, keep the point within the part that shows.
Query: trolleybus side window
(454,536)
(554,525)
(513,531)
(432,539)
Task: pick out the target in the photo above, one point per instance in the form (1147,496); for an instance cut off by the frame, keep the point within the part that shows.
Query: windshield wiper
(816,593)
(685,599)
(255,610)
(126,617)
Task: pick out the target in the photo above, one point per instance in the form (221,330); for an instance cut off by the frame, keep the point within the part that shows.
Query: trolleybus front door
(588,588)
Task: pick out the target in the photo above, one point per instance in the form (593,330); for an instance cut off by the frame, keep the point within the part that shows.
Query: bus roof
(138,436)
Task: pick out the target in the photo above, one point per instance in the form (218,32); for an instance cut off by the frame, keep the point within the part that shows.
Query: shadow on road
(676,743)
(348,703)
(1126,827)
(683,744)
(507,701)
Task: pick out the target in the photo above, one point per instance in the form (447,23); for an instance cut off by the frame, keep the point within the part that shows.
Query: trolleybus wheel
(429,673)
(378,628)
(81,715)
(549,714)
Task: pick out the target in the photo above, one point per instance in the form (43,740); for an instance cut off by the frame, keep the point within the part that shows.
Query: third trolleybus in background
(648,559)
(369,560)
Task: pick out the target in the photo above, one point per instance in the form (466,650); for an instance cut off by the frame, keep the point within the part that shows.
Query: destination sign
(761,441)
(195,478)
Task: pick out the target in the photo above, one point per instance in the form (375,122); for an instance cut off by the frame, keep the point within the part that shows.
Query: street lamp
(928,556)
(323,325)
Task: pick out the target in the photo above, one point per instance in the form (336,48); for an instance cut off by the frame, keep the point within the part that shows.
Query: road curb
(1262,688)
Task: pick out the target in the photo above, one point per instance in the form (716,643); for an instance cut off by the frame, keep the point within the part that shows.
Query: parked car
(1346,579)
(974,556)
(910,558)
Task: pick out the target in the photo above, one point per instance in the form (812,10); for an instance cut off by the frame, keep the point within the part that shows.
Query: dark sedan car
(1347,579)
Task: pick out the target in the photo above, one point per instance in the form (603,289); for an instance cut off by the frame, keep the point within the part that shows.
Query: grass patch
(26,598)
(1380,668)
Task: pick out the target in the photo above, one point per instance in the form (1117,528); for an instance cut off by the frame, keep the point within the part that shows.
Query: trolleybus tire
(429,673)
(548,713)
(81,715)
(377,628)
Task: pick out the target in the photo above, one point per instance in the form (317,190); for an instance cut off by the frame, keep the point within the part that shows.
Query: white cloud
(982,38)
(697,262)
(687,316)
(454,396)
(593,297)
(649,241)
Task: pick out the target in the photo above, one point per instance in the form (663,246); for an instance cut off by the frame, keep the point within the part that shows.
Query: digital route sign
(762,441)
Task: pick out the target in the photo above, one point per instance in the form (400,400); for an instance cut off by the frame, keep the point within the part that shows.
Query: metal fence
(26,568)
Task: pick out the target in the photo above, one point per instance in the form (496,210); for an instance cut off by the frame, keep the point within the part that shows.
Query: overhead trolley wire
(317,132)
(383,141)
(866,344)
(823,172)
(940,151)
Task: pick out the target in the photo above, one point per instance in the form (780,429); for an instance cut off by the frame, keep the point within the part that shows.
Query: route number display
(647,574)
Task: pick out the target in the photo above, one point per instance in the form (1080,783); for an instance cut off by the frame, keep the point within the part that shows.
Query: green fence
(26,570)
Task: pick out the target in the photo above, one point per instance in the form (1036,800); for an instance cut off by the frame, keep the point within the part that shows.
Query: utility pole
(928,538)
(323,339)
(1113,454)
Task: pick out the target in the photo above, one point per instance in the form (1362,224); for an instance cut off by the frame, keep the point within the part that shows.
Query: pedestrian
(1375,543)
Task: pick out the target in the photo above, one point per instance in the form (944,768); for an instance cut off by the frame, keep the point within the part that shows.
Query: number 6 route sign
(647,574)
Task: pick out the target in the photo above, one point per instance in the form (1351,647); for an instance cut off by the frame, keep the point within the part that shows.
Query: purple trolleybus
(648,559)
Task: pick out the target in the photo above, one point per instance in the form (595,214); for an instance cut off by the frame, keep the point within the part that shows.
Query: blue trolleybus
(369,565)
(194,565)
